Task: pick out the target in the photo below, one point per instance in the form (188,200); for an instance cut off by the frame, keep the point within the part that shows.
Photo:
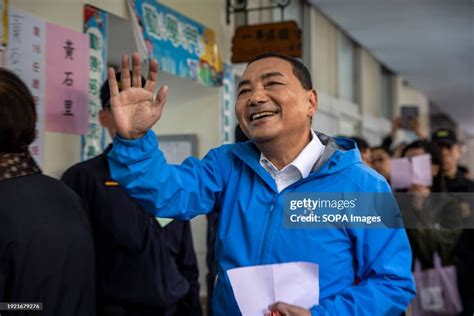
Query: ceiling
(430,43)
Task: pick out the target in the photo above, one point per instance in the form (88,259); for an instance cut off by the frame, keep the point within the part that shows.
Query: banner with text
(67,84)
(182,46)
(95,27)
(25,57)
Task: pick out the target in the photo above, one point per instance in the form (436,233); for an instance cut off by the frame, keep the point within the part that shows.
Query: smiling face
(272,104)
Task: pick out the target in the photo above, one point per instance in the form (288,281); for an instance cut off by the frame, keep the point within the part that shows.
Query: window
(347,68)
(386,93)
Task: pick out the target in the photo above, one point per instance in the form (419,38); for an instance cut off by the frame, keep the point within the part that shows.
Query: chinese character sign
(228,122)
(26,51)
(182,46)
(95,27)
(67,84)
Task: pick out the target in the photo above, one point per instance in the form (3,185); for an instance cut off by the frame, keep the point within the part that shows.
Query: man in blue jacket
(246,182)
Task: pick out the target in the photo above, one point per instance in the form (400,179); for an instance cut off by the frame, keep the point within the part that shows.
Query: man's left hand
(283,309)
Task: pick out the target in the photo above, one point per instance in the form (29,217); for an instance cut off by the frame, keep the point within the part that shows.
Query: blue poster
(182,46)
(95,25)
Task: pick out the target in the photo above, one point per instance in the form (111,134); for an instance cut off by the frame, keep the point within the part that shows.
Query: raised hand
(133,108)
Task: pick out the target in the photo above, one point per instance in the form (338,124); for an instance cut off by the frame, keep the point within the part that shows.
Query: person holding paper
(438,229)
(144,266)
(246,184)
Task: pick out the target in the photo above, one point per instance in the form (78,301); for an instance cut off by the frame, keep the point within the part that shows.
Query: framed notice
(177,148)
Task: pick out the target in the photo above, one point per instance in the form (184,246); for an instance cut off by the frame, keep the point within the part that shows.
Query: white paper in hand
(422,170)
(257,287)
(400,173)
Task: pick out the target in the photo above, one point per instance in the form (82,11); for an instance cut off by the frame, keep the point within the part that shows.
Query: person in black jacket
(142,267)
(46,246)
(458,183)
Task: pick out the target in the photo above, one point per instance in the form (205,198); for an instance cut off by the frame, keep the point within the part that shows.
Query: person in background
(451,152)
(143,267)
(364,148)
(395,143)
(212,222)
(381,162)
(440,216)
(456,182)
(46,246)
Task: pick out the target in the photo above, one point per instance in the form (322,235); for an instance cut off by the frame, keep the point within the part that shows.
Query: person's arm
(188,266)
(382,262)
(178,191)
(386,285)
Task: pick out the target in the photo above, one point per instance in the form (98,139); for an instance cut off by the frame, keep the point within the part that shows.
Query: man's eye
(243,91)
(273,83)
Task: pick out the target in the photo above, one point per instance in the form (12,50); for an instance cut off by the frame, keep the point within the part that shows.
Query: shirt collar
(305,160)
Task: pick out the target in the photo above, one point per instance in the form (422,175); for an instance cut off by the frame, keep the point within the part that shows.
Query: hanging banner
(26,50)
(250,41)
(182,46)
(228,120)
(95,27)
(3,22)
(67,84)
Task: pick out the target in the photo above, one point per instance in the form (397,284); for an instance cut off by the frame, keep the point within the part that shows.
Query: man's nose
(258,96)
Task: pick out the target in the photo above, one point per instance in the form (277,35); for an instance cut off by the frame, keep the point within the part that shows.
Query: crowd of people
(443,216)
(97,242)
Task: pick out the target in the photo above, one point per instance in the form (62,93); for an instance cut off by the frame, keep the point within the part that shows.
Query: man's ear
(312,98)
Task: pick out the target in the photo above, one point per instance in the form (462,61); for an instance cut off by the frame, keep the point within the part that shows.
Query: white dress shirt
(298,168)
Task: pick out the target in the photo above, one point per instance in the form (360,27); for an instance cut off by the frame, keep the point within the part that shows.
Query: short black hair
(362,144)
(299,69)
(17,112)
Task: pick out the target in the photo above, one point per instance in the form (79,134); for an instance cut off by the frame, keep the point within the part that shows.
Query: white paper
(257,287)
(176,151)
(400,173)
(406,172)
(421,168)
(26,51)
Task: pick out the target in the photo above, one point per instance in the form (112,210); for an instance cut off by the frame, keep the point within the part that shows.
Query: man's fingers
(125,76)
(288,310)
(161,95)
(282,308)
(136,70)
(160,100)
(152,79)
(113,87)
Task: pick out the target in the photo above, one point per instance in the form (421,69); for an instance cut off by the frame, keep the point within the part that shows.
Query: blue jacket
(231,181)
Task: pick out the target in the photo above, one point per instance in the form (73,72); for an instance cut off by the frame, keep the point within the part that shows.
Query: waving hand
(133,107)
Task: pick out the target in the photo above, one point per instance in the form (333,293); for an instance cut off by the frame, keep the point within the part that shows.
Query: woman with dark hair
(46,249)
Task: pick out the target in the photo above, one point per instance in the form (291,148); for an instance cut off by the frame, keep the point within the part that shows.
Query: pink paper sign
(67,78)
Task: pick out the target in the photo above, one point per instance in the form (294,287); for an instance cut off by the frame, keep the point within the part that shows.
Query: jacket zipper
(269,222)
(268,226)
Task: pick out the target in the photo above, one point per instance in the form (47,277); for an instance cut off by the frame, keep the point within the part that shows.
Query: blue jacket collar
(338,154)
